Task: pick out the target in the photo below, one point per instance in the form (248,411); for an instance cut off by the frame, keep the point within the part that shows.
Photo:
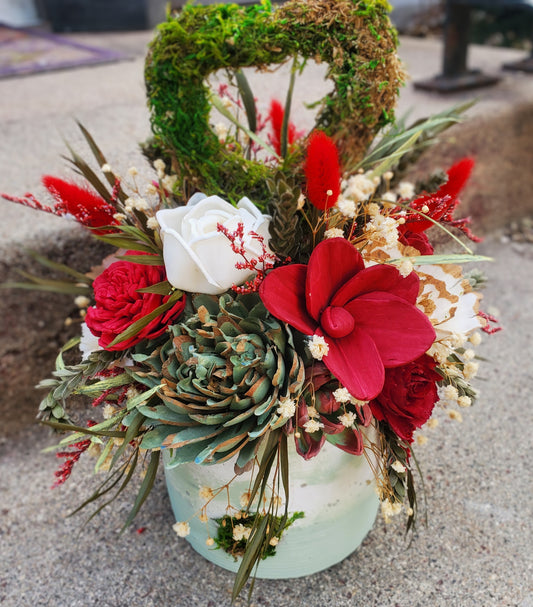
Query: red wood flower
(367,316)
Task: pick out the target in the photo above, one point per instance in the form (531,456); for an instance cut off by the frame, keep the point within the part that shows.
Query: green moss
(353,37)
(224,538)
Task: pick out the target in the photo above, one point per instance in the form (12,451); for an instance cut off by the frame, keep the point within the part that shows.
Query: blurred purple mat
(30,51)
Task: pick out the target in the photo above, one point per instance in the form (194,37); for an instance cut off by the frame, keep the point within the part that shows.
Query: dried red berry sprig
(71,457)
(488,329)
(260,265)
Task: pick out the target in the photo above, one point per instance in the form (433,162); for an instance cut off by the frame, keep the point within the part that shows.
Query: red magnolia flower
(367,316)
(85,205)
(442,205)
(322,171)
(275,116)
(119,304)
(408,396)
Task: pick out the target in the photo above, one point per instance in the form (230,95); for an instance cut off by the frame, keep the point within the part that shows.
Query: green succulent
(223,373)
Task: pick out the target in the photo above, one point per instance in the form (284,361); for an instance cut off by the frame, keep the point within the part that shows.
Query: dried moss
(353,37)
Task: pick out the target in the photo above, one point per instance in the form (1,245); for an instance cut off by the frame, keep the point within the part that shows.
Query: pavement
(476,548)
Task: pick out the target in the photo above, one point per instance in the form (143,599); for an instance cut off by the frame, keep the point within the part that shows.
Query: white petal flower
(397,466)
(406,189)
(346,207)
(240,532)
(287,408)
(448,300)
(334,233)
(198,258)
(318,347)
(347,419)
(182,529)
(341,395)
(313,425)
(88,342)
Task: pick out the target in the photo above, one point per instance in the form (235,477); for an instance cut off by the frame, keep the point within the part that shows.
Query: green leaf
(142,398)
(421,260)
(145,260)
(81,429)
(43,284)
(250,558)
(164,414)
(217,103)
(186,454)
(284,137)
(390,160)
(85,170)
(100,158)
(153,439)
(247,99)
(132,431)
(122,241)
(284,465)
(146,487)
(59,267)
(160,288)
(103,455)
(103,384)
(267,459)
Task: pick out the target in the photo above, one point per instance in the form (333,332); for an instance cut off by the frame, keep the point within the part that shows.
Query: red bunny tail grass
(322,171)
(86,206)
(275,115)
(458,175)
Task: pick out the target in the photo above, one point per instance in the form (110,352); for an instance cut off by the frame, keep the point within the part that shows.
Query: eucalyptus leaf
(217,103)
(420,260)
(160,288)
(146,487)
(145,260)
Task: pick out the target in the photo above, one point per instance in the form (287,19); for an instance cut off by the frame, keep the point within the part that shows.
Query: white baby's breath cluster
(318,347)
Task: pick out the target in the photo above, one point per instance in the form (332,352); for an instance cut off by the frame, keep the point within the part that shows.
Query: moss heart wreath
(354,37)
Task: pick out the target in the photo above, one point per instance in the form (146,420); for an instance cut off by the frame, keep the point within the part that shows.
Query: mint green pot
(335,490)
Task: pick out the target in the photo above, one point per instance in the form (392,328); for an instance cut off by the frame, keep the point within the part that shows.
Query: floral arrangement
(224,329)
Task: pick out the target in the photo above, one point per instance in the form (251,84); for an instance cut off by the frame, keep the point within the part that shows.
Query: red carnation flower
(85,205)
(367,316)
(119,304)
(408,396)
(417,240)
(322,171)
